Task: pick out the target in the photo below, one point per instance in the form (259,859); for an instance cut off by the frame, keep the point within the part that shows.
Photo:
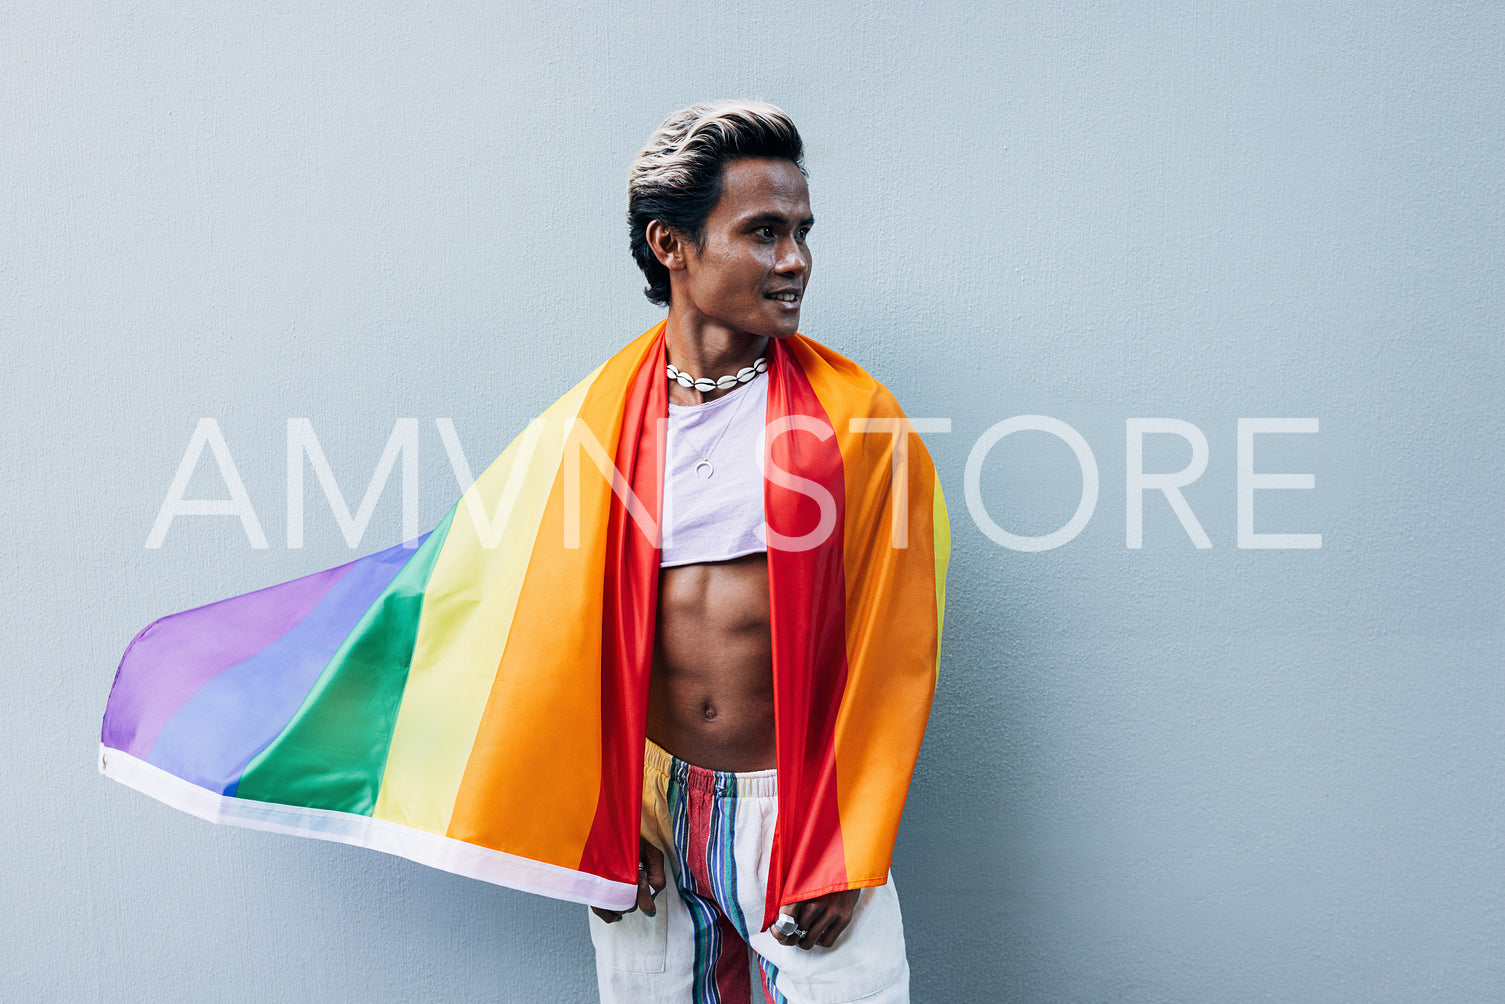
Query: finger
(654,858)
(645,892)
(784,939)
(817,930)
(812,921)
(610,916)
(833,931)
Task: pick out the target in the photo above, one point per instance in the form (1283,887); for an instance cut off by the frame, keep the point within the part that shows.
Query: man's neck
(710,351)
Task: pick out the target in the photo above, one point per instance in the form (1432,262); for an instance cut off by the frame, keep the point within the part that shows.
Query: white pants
(716,831)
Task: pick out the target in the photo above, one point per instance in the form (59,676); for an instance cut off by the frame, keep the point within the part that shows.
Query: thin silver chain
(705,457)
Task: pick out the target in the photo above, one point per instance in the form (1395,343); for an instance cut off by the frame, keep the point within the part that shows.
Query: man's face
(751,272)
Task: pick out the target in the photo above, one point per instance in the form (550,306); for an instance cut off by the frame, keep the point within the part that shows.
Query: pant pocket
(636,944)
(867,964)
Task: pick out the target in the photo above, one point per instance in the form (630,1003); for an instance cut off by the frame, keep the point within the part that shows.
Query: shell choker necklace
(704,384)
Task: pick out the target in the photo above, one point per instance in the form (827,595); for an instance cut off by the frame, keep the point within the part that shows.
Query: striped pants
(716,831)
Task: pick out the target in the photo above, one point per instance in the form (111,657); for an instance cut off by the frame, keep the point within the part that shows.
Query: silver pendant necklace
(705,468)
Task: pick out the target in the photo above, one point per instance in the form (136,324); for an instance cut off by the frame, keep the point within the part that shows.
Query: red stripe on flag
(627,625)
(807,607)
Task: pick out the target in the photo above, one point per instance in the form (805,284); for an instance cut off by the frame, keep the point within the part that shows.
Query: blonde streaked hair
(676,177)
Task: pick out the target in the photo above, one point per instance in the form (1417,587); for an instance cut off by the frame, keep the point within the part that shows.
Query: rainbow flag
(478,702)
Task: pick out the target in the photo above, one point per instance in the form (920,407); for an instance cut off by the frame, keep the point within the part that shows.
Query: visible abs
(711,698)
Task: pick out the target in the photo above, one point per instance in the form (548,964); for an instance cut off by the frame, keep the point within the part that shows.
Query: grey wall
(1157,774)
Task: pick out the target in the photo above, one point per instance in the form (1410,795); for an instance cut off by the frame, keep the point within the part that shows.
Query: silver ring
(785,925)
(800,934)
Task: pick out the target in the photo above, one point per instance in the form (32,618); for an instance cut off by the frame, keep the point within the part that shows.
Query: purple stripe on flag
(173,657)
(234,716)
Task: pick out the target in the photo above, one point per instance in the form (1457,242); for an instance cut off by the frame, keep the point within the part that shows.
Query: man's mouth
(786,297)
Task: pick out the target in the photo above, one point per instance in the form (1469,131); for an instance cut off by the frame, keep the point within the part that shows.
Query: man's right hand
(650,880)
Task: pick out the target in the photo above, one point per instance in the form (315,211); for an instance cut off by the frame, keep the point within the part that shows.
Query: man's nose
(793,258)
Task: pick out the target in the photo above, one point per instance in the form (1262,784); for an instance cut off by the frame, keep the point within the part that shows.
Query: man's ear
(668,247)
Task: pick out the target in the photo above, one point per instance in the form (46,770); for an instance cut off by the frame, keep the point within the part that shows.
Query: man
(720,218)
(710,666)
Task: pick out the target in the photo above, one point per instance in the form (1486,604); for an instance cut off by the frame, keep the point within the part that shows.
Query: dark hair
(676,178)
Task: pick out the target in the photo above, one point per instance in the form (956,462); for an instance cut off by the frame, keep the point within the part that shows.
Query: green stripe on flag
(333,752)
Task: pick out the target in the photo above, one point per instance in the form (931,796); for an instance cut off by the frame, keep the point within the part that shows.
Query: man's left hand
(822,919)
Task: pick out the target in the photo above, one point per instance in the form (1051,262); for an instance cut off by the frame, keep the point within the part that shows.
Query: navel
(709,711)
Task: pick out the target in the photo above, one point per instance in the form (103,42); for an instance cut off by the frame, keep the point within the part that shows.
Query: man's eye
(803,234)
(766,232)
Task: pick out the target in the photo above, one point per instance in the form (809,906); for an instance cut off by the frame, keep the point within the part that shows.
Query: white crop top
(718,517)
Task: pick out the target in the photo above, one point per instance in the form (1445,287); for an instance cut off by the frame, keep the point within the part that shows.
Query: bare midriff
(710,702)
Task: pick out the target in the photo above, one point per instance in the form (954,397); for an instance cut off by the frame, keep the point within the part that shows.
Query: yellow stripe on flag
(467,614)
